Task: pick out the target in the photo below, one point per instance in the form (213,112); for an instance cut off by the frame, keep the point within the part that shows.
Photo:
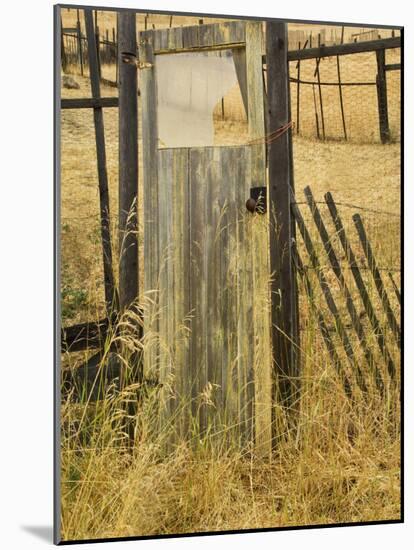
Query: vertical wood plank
(256,127)
(199,159)
(180,295)
(165,311)
(151,216)
(234,177)
(283,293)
(109,283)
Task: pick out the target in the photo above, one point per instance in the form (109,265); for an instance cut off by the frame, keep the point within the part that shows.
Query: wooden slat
(280,174)
(175,38)
(150,198)
(369,309)
(330,346)
(261,317)
(336,268)
(166,283)
(396,289)
(235,170)
(373,266)
(215,159)
(324,285)
(109,282)
(180,295)
(88,102)
(345,49)
(198,291)
(206,35)
(218,35)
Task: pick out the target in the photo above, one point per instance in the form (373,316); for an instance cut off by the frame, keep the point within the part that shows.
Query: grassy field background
(343,463)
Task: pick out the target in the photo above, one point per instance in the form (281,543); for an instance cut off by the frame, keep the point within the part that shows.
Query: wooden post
(110,291)
(114,52)
(298,94)
(128,162)
(128,188)
(117,50)
(80,49)
(382,97)
(318,74)
(283,298)
(98,54)
(341,100)
(62,49)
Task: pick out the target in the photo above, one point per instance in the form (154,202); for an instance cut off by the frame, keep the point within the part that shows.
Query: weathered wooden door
(206,267)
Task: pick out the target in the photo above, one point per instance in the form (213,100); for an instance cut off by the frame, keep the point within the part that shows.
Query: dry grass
(342,465)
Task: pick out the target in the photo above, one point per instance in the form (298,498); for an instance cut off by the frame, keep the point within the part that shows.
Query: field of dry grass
(342,465)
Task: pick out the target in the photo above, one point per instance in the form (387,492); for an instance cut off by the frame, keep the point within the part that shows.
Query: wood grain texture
(150,192)
(259,241)
(128,164)
(283,288)
(217,35)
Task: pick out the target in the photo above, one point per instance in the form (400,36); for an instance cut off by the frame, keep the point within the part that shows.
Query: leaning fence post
(298,93)
(322,324)
(285,336)
(98,48)
(336,268)
(62,48)
(341,99)
(80,51)
(366,300)
(110,290)
(382,97)
(318,75)
(372,264)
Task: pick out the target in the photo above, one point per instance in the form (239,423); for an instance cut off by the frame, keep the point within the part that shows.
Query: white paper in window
(189,85)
